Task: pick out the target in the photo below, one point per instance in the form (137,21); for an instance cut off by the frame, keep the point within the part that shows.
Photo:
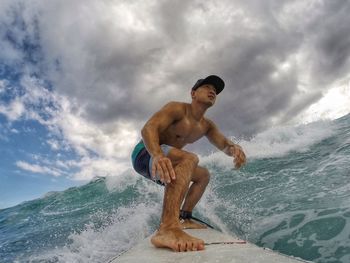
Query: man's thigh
(177,156)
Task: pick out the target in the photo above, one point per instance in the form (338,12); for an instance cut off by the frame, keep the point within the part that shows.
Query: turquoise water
(293,197)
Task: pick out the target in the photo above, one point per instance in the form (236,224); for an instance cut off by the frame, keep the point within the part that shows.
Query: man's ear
(193,94)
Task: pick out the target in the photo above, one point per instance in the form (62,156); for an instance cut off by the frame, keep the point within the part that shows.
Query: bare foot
(190,224)
(177,240)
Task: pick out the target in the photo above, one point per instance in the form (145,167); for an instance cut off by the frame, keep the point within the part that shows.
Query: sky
(78,79)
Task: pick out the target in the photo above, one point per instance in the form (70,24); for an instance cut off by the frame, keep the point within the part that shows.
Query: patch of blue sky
(17,186)
(26,141)
(29,136)
(9,72)
(11,80)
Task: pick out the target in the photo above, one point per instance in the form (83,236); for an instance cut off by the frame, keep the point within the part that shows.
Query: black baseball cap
(214,80)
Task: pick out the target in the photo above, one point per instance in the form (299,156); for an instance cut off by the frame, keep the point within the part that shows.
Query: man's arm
(227,146)
(151,131)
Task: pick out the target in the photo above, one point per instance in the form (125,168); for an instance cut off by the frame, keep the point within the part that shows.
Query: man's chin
(208,103)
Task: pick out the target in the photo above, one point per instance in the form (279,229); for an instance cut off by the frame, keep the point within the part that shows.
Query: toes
(183,247)
(189,246)
(200,246)
(178,249)
(186,246)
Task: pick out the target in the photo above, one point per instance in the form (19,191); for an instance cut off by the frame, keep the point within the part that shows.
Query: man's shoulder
(176,105)
(208,122)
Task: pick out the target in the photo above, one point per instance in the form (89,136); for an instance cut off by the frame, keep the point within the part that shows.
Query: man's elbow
(144,131)
(147,129)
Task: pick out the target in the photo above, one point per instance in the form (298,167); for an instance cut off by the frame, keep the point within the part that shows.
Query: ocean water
(293,196)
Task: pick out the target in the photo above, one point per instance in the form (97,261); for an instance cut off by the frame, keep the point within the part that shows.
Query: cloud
(93,167)
(116,57)
(13,110)
(110,140)
(100,149)
(330,42)
(37,169)
(339,95)
(92,72)
(120,60)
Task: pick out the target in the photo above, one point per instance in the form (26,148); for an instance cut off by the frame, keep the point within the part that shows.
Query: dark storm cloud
(252,95)
(330,42)
(123,61)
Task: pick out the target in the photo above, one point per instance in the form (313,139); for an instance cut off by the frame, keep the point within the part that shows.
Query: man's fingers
(173,174)
(170,169)
(160,172)
(166,176)
(163,168)
(240,158)
(243,155)
(154,170)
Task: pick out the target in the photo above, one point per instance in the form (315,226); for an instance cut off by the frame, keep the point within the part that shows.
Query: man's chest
(188,130)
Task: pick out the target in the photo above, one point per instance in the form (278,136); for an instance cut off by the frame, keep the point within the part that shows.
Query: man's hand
(162,166)
(239,156)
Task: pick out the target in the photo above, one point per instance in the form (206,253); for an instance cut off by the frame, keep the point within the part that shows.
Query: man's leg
(200,179)
(170,233)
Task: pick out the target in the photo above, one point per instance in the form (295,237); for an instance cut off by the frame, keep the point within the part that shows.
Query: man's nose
(212,92)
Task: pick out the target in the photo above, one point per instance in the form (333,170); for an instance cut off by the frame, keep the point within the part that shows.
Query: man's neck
(198,110)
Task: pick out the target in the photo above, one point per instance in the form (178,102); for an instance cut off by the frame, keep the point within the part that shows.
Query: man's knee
(205,176)
(178,156)
(201,176)
(190,157)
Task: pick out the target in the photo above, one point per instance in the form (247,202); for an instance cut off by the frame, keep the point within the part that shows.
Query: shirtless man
(159,157)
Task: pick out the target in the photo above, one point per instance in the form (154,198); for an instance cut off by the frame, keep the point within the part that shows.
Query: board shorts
(142,161)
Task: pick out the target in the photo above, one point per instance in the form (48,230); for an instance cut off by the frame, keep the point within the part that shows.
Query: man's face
(205,94)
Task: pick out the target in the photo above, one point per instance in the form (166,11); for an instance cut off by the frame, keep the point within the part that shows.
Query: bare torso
(184,130)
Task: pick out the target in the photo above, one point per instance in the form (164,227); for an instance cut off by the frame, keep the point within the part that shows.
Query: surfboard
(219,248)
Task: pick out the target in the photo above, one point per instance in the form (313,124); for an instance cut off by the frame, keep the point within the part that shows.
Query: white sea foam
(129,226)
(122,228)
(210,205)
(277,142)
(121,181)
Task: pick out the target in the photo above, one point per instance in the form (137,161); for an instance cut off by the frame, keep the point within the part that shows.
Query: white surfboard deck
(219,248)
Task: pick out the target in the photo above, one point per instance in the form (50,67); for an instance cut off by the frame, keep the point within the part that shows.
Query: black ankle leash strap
(188,215)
